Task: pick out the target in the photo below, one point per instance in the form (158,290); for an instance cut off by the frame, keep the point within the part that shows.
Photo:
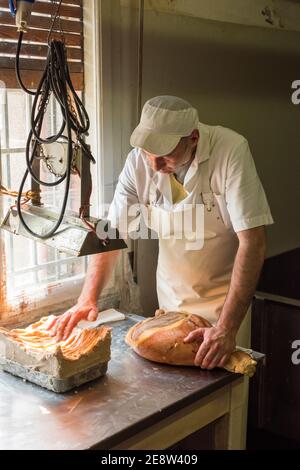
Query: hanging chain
(77,145)
(40,155)
(41,100)
(56,25)
(54,18)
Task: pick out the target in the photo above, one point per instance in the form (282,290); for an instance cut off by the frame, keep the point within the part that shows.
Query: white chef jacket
(232,174)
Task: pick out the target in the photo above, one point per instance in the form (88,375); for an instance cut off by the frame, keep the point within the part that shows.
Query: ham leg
(160,339)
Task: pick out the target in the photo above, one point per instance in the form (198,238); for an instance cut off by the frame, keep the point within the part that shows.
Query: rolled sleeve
(245,196)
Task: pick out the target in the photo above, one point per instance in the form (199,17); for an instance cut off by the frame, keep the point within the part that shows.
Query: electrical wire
(55,80)
(17,66)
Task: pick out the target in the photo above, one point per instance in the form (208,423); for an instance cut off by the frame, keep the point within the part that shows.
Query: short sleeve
(245,196)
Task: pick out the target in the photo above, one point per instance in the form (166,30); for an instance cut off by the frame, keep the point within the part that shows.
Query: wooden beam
(31,79)
(39,35)
(42,22)
(34,64)
(71,11)
(37,50)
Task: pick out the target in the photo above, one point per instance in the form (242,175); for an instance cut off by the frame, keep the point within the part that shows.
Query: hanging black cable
(18,66)
(55,80)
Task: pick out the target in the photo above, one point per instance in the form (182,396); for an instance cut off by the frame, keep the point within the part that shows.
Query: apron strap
(152,194)
(207,194)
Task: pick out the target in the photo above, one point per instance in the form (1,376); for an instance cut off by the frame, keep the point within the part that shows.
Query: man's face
(181,155)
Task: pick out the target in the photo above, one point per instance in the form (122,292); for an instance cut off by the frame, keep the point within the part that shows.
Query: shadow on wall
(146,271)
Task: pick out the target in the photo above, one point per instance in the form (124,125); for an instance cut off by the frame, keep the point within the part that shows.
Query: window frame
(63,294)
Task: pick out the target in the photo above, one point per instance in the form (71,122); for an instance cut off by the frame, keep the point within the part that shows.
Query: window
(34,277)
(29,264)
(30,270)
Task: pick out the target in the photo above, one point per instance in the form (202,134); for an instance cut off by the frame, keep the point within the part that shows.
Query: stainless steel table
(137,405)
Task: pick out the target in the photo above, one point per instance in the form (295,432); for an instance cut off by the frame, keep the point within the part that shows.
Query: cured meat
(160,339)
(36,338)
(34,347)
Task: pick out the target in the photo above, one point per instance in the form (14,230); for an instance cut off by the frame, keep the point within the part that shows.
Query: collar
(203,147)
(202,154)
(162,181)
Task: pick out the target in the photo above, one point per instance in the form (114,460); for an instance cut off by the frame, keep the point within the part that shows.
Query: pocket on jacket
(223,210)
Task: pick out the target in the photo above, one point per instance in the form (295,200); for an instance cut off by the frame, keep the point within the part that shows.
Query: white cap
(164,121)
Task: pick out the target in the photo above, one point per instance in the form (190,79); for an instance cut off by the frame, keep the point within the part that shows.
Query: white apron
(194,281)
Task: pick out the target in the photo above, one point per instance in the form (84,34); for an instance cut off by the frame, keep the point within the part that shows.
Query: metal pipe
(23,13)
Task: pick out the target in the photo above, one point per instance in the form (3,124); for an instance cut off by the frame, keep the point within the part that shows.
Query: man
(178,162)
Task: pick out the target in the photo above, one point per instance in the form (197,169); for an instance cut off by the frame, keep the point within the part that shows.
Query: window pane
(22,252)
(14,167)
(32,264)
(17,119)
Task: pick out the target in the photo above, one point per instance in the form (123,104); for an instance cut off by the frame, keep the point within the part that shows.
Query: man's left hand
(217,344)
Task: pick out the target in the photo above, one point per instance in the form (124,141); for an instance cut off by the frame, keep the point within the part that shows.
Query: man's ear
(195,136)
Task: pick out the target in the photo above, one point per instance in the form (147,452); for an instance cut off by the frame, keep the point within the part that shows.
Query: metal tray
(50,382)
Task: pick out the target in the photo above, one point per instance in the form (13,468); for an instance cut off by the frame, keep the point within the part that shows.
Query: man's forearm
(99,271)
(246,270)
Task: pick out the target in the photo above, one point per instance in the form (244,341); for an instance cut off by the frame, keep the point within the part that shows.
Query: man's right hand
(63,325)
(97,276)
